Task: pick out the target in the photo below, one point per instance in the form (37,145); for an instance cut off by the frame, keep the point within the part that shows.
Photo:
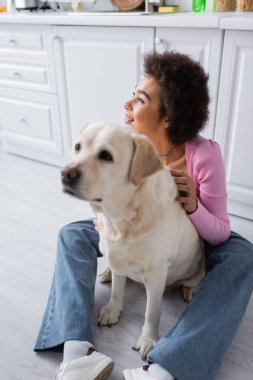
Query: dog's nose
(69,176)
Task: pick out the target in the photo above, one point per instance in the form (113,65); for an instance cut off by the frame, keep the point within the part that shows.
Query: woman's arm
(208,188)
(212,228)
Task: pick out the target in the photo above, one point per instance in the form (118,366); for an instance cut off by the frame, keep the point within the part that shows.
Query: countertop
(237,21)
(223,20)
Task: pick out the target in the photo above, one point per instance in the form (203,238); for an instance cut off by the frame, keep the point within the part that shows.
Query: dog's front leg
(149,336)
(109,314)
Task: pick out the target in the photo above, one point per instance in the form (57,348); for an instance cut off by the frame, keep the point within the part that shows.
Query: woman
(170,106)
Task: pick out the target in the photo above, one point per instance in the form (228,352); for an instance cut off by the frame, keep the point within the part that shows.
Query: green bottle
(198,5)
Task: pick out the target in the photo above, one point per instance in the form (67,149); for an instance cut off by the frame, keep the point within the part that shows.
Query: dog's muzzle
(69,178)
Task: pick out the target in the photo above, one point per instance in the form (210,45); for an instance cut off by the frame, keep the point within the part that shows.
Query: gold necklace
(165,155)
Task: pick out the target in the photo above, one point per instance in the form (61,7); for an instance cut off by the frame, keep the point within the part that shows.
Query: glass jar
(225,5)
(244,5)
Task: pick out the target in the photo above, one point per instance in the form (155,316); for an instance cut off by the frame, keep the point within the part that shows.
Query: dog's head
(108,160)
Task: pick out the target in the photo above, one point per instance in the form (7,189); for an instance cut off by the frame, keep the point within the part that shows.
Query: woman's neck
(171,153)
(167,150)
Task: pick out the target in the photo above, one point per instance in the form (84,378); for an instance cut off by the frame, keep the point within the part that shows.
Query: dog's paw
(108,316)
(144,345)
(187,293)
(106,276)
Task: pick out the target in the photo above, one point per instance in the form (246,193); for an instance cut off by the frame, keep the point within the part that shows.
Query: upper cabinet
(203,45)
(234,127)
(97,71)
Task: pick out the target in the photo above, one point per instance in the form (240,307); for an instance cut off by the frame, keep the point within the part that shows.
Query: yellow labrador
(144,231)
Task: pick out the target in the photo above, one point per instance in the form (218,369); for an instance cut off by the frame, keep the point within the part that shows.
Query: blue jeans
(69,309)
(195,347)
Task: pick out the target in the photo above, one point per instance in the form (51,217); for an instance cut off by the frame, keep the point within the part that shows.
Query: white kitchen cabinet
(29,111)
(234,126)
(97,71)
(203,45)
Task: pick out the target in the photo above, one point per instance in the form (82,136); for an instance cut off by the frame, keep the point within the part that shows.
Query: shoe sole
(105,373)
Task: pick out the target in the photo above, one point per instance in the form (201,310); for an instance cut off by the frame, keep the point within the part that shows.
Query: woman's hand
(186,190)
(95,222)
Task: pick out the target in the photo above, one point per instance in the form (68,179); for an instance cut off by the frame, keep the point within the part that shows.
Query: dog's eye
(77,147)
(105,155)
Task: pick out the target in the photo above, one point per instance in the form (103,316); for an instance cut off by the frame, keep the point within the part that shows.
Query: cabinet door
(234,126)
(203,45)
(97,71)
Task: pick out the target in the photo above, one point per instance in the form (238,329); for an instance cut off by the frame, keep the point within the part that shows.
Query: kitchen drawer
(30,119)
(23,40)
(22,75)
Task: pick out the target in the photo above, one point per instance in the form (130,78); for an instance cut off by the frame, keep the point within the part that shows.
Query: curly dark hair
(184,93)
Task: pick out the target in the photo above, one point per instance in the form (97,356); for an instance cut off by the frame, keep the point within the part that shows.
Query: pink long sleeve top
(205,166)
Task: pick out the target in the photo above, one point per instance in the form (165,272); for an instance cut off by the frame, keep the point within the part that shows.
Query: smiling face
(143,111)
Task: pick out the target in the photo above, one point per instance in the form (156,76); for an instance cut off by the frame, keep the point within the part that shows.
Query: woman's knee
(247,262)
(235,257)
(74,242)
(239,264)
(66,233)
(241,252)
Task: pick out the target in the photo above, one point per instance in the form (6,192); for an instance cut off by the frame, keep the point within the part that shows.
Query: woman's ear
(145,161)
(165,123)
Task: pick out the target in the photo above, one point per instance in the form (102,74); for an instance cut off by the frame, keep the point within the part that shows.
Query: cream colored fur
(144,232)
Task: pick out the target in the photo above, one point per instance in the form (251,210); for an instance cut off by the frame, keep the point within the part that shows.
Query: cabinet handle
(158,41)
(23,120)
(16,74)
(56,36)
(12,40)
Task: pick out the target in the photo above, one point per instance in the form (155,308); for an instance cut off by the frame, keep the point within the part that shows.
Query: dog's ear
(145,159)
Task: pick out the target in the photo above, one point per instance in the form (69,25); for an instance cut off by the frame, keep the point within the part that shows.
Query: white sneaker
(138,374)
(93,366)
